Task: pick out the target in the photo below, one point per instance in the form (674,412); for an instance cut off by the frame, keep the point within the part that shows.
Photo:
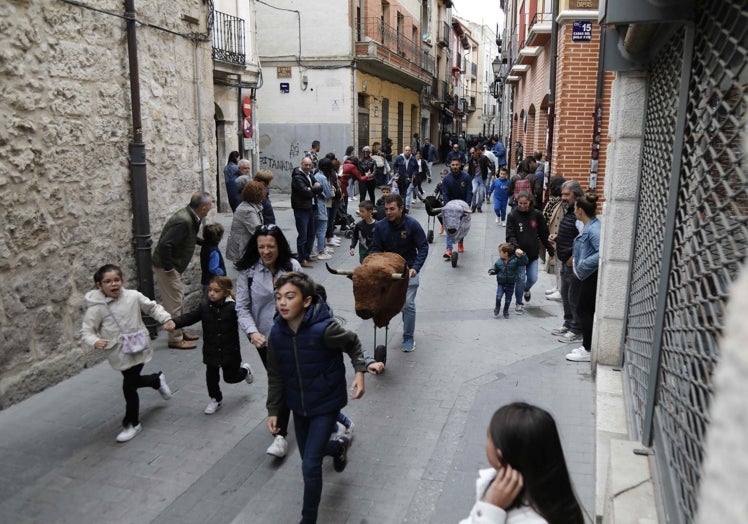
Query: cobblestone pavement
(420,428)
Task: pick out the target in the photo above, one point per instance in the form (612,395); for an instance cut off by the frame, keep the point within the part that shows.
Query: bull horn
(401,276)
(338,271)
(436,209)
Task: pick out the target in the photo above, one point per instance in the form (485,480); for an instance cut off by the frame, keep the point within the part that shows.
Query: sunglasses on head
(265,229)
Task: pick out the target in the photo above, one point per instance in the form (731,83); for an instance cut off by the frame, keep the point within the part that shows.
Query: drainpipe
(597,126)
(199,116)
(138,179)
(552,94)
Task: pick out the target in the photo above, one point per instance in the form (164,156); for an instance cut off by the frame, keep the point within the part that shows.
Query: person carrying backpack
(524,180)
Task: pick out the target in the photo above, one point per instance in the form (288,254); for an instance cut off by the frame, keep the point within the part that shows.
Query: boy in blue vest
(306,372)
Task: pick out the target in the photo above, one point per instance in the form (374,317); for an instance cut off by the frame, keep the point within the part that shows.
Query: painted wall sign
(583,4)
(285,87)
(283,72)
(581,31)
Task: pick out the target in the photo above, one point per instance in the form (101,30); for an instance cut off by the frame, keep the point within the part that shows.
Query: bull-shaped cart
(380,286)
(456,216)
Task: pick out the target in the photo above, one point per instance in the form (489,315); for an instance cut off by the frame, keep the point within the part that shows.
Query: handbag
(130,343)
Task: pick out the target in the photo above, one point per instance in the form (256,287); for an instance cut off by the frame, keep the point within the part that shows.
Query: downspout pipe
(597,128)
(138,179)
(552,94)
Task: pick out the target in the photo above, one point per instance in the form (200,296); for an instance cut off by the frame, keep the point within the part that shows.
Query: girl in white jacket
(114,311)
(529,482)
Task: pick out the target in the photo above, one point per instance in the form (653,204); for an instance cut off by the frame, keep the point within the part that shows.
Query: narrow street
(419,434)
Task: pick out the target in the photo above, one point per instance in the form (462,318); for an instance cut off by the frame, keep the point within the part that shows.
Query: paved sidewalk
(420,428)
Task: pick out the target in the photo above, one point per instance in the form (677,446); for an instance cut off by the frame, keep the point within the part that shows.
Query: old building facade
(64,173)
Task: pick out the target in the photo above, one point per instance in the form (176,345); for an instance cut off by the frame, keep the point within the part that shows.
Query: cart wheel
(454,258)
(380,354)
(430,236)
(349,234)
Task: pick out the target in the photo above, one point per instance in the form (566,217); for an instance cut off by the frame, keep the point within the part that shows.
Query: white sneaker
(324,256)
(333,243)
(329,250)
(503,223)
(569,337)
(349,431)
(163,389)
(551,291)
(497,220)
(519,309)
(250,377)
(212,406)
(278,448)
(560,331)
(555,296)
(578,355)
(129,433)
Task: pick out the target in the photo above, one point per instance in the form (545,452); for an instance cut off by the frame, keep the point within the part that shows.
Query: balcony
(539,31)
(528,54)
(228,39)
(471,106)
(442,39)
(384,52)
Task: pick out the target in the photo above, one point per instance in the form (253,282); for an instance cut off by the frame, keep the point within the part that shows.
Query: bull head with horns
(380,285)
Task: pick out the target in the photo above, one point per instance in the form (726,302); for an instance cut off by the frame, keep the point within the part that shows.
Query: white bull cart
(456,216)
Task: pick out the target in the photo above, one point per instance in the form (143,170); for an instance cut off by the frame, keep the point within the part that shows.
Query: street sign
(581,31)
(285,87)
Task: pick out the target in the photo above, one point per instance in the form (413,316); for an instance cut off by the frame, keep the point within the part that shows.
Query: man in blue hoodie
(403,234)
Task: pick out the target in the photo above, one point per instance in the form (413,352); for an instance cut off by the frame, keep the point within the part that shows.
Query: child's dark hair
(224,283)
(213,233)
(301,280)
(106,268)
(366,204)
(529,442)
(504,169)
(506,247)
(385,187)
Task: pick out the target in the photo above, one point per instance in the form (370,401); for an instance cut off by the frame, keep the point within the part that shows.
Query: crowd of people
(281,309)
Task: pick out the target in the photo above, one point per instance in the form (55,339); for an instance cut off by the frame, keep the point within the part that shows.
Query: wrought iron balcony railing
(374,29)
(228,39)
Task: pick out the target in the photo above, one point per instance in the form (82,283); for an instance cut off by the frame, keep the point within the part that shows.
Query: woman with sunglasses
(266,257)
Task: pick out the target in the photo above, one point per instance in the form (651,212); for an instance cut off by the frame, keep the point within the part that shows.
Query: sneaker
(163,388)
(527,296)
(447,254)
(460,247)
(409,345)
(441,230)
(578,355)
(496,312)
(503,223)
(497,220)
(334,242)
(569,337)
(519,309)
(129,433)
(556,297)
(313,256)
(329,250)
(340,461)
(551,291)
(278,448)
(213,406)
(250,377)
(349,431)
(560,331)
(506,314)
(324,256)
(306,264)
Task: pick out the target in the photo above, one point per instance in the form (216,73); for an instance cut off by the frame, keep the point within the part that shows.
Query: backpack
(522,184)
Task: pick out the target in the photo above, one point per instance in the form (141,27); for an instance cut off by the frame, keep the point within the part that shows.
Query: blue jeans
(321,232)
(312,437)
(479,192)
(499,207)
(528,275)
(504,290)
(305,229)
(409,309)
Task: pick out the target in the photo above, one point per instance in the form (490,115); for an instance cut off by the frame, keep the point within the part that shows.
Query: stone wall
(64,177)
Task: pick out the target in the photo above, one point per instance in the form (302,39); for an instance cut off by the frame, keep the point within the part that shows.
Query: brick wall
(576,84)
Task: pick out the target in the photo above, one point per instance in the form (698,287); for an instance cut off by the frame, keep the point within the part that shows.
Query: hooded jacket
(98,323)
(523,229)
(305,369)
(220,331)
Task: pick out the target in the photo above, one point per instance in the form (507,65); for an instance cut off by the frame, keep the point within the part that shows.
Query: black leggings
(367,187)
(132,380)
(587,296)
(232,373)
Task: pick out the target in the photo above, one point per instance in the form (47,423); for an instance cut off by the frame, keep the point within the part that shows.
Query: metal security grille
(691,240)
